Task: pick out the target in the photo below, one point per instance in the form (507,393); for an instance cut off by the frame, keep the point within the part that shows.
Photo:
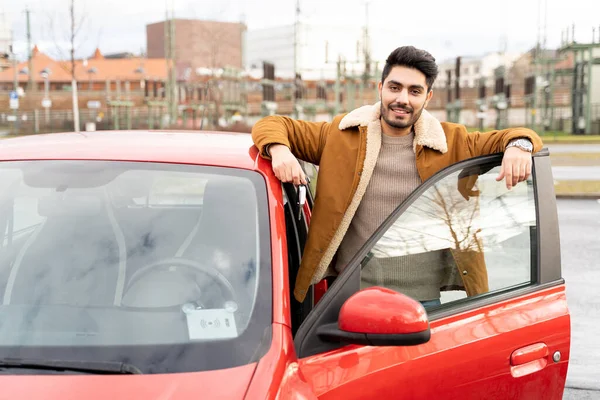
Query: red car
(159,265)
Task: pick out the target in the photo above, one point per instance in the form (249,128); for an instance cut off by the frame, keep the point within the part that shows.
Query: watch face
(526,144)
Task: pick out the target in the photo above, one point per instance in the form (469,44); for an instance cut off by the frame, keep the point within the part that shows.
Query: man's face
(403,96)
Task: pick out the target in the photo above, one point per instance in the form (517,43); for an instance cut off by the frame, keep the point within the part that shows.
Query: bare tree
(76,26)
(73,76)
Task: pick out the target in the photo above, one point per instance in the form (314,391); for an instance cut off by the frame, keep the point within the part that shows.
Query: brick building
(94,73)
(198,43)
(99,78)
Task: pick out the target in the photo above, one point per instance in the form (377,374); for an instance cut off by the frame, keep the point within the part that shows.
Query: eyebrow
(392,82)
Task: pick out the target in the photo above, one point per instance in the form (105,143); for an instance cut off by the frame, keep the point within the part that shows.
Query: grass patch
(577,188)
(572,139)
(553,136)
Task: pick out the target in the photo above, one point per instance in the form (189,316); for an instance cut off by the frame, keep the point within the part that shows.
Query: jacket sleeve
(305,139)
(483,143)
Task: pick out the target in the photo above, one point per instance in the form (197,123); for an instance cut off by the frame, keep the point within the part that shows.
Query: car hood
(223,384)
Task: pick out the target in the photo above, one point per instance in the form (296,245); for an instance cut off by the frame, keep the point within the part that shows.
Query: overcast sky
(446,28)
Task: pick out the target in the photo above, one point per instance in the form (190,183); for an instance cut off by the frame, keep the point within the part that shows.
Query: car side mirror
(378,316)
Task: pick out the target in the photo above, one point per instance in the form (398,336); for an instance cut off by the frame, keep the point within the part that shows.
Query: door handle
(529,359)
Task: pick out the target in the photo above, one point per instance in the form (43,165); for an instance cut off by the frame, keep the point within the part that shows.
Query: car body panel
(279,260)
(217,149)
(277,374)
(231,383)
(473,348)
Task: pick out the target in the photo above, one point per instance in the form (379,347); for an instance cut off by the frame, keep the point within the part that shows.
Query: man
(372,158)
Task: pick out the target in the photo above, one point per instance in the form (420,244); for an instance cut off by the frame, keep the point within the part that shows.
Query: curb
(578,196)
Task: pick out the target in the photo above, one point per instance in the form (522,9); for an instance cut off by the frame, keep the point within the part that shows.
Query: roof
(204,148)
(124,69)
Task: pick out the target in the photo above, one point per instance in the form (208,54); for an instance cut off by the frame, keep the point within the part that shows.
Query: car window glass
(123,255)
(467,235)
(311,172)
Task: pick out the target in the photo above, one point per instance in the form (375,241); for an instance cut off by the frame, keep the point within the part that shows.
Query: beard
(391,120)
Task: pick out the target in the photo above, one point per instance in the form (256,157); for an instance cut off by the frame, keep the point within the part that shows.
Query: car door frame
(299,311)
(307,340)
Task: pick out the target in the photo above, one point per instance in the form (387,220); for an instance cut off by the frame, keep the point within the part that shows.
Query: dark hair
(411,57)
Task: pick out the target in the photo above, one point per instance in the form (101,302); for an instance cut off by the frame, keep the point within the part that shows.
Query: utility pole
(366,54)
(170,84)
(15,78)
(14,61)
(173,75)
(338,88)
(346,85)
(583,55)
(73,74)
(167,42)
(29,52)
(453,106)
(295,101)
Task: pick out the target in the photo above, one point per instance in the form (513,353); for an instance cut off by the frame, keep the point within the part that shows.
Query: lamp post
(46,103)
(91,71)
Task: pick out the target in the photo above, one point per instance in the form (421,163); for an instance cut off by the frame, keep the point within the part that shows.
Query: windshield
(166,267)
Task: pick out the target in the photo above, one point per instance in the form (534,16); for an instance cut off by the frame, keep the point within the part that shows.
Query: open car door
(502,326)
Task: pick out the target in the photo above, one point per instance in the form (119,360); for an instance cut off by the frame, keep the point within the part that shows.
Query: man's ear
(429,96)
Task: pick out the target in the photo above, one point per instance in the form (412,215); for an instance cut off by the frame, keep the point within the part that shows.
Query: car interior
(135,256)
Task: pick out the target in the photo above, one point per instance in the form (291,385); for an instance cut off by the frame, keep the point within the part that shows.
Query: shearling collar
(428,130)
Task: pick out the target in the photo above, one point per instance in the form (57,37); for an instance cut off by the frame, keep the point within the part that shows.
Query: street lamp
(91,72)
(141,71)
(46,103)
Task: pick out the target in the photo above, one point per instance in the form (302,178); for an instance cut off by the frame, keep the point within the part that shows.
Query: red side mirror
(381,310)
(380,317)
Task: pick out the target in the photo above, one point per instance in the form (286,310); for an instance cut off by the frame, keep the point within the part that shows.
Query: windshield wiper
(91,367)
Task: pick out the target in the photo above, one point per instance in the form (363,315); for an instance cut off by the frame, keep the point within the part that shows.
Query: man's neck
(395,132)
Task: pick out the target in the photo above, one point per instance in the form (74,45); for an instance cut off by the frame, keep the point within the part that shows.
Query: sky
(445,28)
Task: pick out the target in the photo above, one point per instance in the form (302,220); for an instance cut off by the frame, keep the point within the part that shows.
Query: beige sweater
(394,178)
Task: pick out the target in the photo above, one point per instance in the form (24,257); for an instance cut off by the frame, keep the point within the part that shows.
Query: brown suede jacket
(346,151)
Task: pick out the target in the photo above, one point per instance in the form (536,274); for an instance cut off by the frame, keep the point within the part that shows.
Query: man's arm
(283,140)
(483,143)
(517,162)
(305,140)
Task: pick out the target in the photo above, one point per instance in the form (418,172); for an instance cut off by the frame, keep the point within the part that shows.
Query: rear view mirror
(379,316)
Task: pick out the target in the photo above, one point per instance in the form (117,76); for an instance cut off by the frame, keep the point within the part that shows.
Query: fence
(113,118)
(39,121)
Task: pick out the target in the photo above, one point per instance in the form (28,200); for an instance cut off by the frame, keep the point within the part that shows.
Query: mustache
(400,107)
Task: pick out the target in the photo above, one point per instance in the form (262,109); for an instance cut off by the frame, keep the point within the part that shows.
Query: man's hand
(516,166)
(285,166)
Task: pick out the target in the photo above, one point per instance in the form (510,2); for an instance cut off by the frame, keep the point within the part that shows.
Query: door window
(466,236)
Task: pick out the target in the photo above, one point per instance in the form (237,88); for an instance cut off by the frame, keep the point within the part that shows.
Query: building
(319,47)
(94,73)
(197,43)
(472,69)
(99,79)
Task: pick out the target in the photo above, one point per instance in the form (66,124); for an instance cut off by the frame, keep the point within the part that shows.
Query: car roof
(226,149)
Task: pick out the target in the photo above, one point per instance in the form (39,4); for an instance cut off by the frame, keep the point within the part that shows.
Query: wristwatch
(522,143)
